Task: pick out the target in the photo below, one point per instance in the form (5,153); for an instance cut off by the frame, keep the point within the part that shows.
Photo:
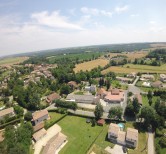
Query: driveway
(150,143)
(52,131)
(117,149)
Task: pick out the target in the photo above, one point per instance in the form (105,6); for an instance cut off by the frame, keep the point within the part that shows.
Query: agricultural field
(90,65)
(131,55)
(12,61)
(80,134)
(128,68)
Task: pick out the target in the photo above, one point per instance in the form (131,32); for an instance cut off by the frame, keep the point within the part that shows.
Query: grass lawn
(80,134)
(128,68)
(54,116)
(12,61)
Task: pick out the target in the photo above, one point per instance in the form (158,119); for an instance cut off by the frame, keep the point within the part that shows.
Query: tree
(18,110)
(65,89)
(136,106)
(129,111)
(98,111)
(149,115)
(115,112)
(149,95)
(150,101)
(28,116)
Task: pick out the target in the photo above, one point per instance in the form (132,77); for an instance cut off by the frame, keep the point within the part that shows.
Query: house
(113,132)
(132,137)
(73,85)
(39,134)
(121,138)
(114,96)
(157,84)
(129,138)
(101,122)
(123,79)
(147,77)
(7,112)
(87,99)
(39,116)
(132,75)
(38,126)
(101,93)
(50,98)
(139,97)
(91,88)
(146,84)
(54,143)
(163,77)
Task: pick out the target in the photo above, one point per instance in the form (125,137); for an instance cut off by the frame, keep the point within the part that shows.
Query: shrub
(68,105)
(162,142)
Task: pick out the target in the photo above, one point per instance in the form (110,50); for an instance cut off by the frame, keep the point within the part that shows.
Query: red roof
(101,122)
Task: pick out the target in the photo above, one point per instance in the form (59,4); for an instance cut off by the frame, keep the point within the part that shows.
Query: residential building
(114,96)
(50,98)
(39,116)
(87,99)
(147,77)
(7,112)
(91,88)
(146,84)
(163,77)
(132,137)
(54,143)
(129,138)
(73,85)
(157,84)
(139,97)
(39,134)
(38,126)
(123,79)
(132,75)
(113,132)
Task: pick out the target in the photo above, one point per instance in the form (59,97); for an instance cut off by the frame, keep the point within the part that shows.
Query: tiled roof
(6,111)
(38,114)
(132,134)
(114,129)
(39,134)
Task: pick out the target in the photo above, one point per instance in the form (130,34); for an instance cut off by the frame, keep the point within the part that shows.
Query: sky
(33,25)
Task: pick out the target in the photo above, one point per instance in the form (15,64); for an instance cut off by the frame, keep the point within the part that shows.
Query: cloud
(121,9)
(134,15)
(96,12)
(54,20)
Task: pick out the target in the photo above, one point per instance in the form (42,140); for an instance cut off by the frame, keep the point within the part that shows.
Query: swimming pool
(121,125)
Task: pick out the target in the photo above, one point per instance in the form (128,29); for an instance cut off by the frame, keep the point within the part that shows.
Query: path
(151,143)
(52,131)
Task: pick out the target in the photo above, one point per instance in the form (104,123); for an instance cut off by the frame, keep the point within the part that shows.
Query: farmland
(12,61)
(131,55)
(90,65)
(128,68)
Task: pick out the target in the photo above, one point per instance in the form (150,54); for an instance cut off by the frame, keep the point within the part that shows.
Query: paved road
(151,143)
(87,113)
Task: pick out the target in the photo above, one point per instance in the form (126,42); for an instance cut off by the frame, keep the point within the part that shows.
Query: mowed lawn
(80,134)
(90,65)
(128,68)
(12,61)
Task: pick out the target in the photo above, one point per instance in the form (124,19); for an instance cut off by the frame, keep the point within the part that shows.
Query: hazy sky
(32,25)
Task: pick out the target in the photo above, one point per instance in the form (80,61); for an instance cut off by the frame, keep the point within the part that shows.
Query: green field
(12,61)
(128,68)
(75,56)
(80,134)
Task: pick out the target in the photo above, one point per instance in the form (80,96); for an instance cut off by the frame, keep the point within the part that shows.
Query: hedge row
(10,123)
(48,125)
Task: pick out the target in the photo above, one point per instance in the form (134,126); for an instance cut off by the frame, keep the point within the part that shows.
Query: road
(151,143)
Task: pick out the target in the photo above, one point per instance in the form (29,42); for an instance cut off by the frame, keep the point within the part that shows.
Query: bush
(28,116)
(68,105)
(62,110)
(162,142)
